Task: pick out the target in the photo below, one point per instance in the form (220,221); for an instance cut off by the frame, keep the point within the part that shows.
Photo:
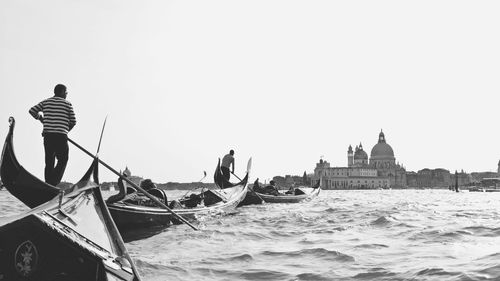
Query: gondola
(19,182)
(71,236)
(306,194)
(129,217)
(133,221)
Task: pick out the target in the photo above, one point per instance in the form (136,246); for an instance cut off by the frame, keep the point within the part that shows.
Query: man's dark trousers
(226,172)
(56,147)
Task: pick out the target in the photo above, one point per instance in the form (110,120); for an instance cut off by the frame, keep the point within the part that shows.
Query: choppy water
(341,235)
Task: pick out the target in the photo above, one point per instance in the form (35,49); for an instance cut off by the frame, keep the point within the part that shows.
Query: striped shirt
(58,115)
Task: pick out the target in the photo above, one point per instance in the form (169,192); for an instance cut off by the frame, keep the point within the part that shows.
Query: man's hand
(40,118)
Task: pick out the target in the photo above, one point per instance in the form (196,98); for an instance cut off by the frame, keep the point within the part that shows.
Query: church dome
(360,153)
(382,151)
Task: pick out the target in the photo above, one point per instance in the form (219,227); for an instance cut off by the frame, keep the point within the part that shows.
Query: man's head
(147,184)
(60,91)
(272,183)
(231,152)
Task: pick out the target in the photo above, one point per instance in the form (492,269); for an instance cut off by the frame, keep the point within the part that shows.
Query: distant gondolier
(226,164)
(58,118)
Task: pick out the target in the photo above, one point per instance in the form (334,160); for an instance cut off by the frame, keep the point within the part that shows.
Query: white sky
(282,81)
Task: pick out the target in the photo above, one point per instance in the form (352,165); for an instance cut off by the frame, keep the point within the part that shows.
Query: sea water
(340,235)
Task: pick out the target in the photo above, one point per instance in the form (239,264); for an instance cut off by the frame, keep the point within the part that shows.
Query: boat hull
(251,199)
(52,256)
(129,217)
(309,193)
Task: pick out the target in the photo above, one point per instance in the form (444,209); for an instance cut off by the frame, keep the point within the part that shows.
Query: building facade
(378,171)
(430,178)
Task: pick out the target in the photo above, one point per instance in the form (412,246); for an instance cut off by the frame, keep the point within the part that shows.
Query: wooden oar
(102,133)
(153,198)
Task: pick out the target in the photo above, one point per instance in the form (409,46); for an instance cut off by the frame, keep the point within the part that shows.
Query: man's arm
(233,165)
(72,118)
(35,111)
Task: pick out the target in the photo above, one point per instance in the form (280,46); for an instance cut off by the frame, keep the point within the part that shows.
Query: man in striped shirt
(58,118)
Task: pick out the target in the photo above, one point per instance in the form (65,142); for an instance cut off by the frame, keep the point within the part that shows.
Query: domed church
(382,158)
(378,171)
(382,153)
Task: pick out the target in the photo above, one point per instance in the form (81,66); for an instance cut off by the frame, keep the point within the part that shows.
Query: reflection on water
(348,235)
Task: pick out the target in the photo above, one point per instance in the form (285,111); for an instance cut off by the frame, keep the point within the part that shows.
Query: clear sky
(284,82)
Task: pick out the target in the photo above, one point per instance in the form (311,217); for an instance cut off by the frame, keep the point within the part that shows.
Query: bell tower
(350,157)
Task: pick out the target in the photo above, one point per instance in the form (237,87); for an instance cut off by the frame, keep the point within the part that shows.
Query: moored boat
(70,237)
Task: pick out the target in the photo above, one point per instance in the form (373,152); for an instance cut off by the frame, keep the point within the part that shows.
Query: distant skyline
(284,82)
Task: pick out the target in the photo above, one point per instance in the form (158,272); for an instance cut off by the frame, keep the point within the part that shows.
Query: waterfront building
(427,178)
(412,179)
(498,171)
(477,177)
(378,171)
(464,179)
(291,180)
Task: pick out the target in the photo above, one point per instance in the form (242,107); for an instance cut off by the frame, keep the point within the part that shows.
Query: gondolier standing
(58,118)
(227,162)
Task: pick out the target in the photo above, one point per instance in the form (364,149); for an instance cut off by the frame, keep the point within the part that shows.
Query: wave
(317,241)
(238,258)
(371,246)
(332,210)
(493,271)
(438,272)
(406,225)
(154,271)
(483,231)
(264,275)
(312,277)
(437,236)
(382,221)
(276,233)
(313,253)
(376,274)
(254,236)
